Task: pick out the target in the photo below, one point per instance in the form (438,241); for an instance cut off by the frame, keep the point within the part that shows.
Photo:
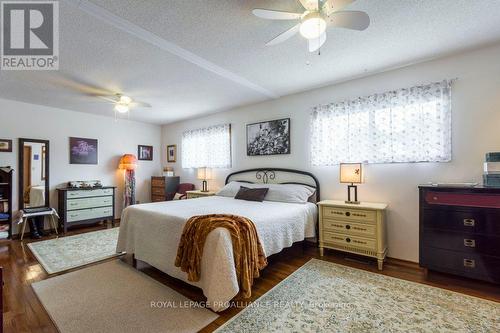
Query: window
(207,147)
(405,125)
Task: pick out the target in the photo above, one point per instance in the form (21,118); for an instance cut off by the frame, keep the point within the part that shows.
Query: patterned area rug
(325,297)
(60,254)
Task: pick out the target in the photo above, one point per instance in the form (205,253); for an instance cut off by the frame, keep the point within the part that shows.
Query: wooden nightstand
(198,194)
(353,228)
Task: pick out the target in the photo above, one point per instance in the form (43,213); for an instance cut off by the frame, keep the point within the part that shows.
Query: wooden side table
(355,228)
(198,194)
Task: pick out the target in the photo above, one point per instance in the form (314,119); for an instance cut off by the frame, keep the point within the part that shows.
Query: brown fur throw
(249,256)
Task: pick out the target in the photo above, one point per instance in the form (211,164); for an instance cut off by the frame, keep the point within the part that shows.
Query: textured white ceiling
(202,56)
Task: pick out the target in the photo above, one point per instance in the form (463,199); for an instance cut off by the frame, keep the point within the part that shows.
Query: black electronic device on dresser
(460,231)
(79,206)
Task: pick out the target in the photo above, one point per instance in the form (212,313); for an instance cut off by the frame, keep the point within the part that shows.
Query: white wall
(476,130)
(115,138)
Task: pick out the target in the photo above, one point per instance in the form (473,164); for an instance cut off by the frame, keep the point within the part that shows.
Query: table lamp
(128,162)
(204,174)
(351,173)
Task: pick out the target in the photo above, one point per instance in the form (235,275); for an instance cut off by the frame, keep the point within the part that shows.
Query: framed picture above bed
(268,137)
(82,151)
(145,153)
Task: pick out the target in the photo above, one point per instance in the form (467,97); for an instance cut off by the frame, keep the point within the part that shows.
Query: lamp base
(352,202)
(355,201)
(204,186)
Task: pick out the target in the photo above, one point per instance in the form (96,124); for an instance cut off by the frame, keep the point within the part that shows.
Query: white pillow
(293,193)
(230,190)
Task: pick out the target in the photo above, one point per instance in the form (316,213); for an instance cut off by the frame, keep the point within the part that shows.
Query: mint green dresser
(86,206)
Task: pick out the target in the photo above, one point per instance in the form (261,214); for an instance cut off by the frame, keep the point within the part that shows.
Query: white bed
(152,233)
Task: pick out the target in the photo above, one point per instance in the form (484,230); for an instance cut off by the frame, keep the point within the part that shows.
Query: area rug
(325,297)
(64,253)
(114,297)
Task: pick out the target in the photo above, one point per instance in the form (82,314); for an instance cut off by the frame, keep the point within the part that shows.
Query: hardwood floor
(24,313)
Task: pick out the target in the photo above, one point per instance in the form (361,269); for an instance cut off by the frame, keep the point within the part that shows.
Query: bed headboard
(276,176)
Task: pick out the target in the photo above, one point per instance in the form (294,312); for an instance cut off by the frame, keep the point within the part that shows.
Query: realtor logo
(30,35)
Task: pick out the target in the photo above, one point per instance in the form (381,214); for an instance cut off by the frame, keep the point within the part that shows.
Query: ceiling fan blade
(108,99)
(270,14)
(311,5)
(350,20)
(316,43)
(284,35)
(140,104)
(331,6)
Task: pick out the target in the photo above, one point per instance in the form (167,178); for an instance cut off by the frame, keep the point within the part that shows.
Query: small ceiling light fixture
(313,25)
(122,107)
(125,99)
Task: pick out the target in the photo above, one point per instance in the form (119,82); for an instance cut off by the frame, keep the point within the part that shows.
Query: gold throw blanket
(249,256)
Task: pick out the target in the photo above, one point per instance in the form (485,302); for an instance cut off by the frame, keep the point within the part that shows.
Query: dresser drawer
(73,204)
(361,229)
(468,243)
(89,193)
(465,220)
(157,198)
(465,264)
(347,240)
(349,214)
(87,214)
(158,182)
(483,200)
(158,191)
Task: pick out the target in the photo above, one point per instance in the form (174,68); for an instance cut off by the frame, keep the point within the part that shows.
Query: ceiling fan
(122,103)
(318,15)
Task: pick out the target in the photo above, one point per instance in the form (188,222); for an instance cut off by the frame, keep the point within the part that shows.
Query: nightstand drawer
(347,240)
(349,214)
(361,229)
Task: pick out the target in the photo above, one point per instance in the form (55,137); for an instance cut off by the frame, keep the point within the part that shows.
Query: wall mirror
(33,173)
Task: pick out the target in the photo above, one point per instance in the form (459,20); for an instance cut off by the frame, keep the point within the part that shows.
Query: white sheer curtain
(207,147)
(405,125)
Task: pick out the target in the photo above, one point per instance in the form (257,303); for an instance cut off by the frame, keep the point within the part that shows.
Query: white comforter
(152,233)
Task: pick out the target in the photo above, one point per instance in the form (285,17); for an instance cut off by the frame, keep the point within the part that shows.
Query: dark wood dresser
(460,231)
(163,188)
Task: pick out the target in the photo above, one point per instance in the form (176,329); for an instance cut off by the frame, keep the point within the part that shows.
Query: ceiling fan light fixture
(121,108)
(313,25)
(125,99)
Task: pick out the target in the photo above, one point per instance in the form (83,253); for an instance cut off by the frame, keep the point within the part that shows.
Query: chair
(183,188)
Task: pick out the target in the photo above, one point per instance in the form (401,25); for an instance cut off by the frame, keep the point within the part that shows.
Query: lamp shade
(128,162)
(204,173)
(351,173)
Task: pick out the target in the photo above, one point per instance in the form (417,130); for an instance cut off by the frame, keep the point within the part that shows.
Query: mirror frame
(21,176)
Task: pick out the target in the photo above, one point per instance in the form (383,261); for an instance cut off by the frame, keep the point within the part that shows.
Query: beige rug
(325,297)
(114,297)
(64,253)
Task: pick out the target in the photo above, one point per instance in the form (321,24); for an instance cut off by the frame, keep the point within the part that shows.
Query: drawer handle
(469,222)
(470,242)
(348,227)
(348,240)
(347,214)
(471,263)
(73,215)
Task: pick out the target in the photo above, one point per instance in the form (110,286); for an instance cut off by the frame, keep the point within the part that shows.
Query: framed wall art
(268,137)
(171,153)
(145,153)
(82,151)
